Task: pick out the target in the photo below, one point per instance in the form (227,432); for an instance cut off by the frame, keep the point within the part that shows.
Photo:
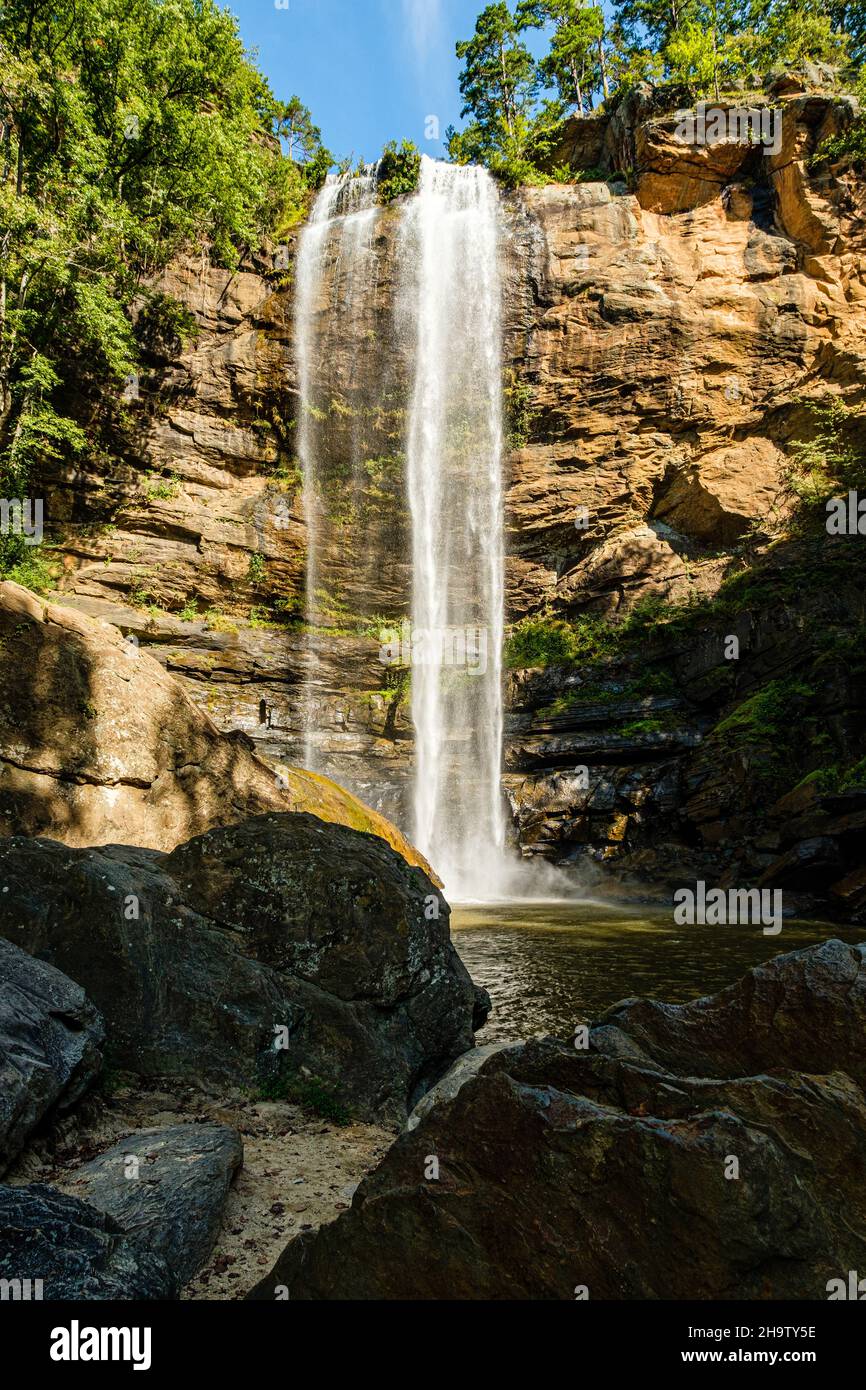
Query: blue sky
(369,70)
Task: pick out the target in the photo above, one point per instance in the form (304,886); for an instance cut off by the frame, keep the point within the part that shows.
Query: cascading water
(451,301)
(401,401)
(336,249)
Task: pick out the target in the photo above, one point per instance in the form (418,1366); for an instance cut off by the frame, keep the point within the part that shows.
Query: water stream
(446,316)
(335,250)
(451,300)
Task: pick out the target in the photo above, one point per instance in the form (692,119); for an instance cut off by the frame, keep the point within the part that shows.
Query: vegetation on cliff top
(129,131)
(399,169)
(516,101)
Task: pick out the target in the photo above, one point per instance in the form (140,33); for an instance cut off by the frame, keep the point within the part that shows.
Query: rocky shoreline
(705,1151)
(539,1170)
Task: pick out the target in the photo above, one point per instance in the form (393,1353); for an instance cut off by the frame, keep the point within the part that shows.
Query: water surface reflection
(549,965)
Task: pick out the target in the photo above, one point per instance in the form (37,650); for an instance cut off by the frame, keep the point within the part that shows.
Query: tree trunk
(576,80)
(603,65)
(506,101)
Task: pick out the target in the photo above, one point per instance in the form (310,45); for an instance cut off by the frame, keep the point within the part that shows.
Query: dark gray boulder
(805,1011)
(681,1156)
(166,1189)
(67,1249)
(279,949)
(50,1041)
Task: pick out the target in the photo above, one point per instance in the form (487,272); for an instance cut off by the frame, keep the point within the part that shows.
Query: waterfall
(336,249)
(450,301)
(410,389)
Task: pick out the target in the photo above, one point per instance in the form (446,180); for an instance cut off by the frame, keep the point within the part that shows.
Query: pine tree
(499,83)
(576,64)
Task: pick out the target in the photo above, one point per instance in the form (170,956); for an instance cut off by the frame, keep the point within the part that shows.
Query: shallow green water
(547,966)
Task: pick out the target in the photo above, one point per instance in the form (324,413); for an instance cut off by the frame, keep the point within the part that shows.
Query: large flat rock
(166,1189)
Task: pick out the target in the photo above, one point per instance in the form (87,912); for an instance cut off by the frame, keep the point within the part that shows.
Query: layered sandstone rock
(666,354)
(98,743)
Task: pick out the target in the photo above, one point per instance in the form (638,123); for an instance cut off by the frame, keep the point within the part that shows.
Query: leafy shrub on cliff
(763,715)
(836,778)
(829,458)
(399,171)
(164,327)
(520,413)
(769,728)
(849,146)
(541,642)
(26,566)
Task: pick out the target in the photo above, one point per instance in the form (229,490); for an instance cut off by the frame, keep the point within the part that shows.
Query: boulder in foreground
(618,1173)
(166,1189)
(75,1251)
(50,1045)
(281,951)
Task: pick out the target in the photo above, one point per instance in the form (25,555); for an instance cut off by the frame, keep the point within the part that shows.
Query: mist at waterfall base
(448,317)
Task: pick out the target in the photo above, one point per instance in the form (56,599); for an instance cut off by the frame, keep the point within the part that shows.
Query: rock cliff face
(666,336)
(667,322)
(98,743)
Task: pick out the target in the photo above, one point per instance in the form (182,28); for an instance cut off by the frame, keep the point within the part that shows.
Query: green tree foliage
(654,22)
(576,64)
(706,44)
(399,170)
(849,19)
(797,31)
(499,83)
(516,103)
(130,129)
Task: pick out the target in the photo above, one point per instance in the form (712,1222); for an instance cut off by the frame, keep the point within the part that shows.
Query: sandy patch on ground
(299,1170)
